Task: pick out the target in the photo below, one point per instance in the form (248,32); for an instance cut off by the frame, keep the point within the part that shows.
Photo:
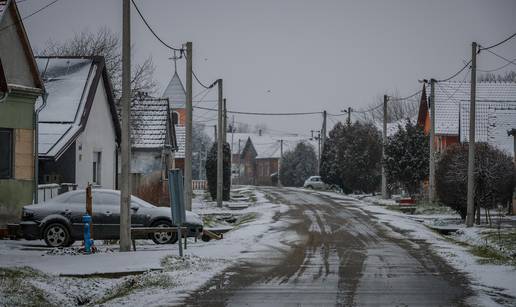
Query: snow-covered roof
(175,92)
(3,6)
(267,145)
(180,139)
(150,123)
(495,111)
(71,84)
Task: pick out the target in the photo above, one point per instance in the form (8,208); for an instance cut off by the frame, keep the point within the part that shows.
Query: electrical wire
(496,69)
(450,97)
(501,57)
(153,32)
(405,98)
(456,74)
(30,15)
(497,44)
(202,84)
(263,113)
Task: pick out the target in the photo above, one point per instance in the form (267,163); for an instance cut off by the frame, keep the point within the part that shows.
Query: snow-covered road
(347,256)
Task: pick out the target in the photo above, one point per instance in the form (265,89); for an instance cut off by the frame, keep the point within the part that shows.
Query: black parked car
(59,220)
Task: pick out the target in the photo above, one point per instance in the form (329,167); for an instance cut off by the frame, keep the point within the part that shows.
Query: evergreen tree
(298,165)
(407,157)
(351,157)
(211,171)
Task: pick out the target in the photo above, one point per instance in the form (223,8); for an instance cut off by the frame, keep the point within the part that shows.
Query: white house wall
(98,136)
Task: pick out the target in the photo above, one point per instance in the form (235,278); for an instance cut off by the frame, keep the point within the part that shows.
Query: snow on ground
(161,277)
(491,281)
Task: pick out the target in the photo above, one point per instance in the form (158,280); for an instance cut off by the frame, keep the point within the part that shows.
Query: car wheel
(56,235)
(165,237)
(309,187)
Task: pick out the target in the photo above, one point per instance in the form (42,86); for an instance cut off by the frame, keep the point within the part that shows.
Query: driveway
(344,258)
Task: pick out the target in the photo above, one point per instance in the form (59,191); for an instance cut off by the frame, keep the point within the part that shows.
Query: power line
(30,15)
(497,44)
(263,113)
(153,32)
(202,84)
(496,69)
(405,98)
(456,74)
(503,58)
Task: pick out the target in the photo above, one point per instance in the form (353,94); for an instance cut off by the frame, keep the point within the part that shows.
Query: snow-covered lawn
(491,278)
(32,274)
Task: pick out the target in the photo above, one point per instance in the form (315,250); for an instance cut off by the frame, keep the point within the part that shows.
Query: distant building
(176,95)
(256,156)
(20,86)
(495,113)
(79,131)
(152,136)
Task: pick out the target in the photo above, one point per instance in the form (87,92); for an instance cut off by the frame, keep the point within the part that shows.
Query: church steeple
(175,91)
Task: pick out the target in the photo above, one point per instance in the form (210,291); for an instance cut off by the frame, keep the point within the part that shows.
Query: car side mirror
(134,207)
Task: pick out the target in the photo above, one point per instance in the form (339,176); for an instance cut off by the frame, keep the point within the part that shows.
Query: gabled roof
(151,125)
(266,146)
(495,111)
(10,6)
(175,92)
(71,84)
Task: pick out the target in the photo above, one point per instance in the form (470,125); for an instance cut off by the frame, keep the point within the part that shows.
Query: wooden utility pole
(220,148)
(384,141)
(279,162)
(125,184)
(470,215)
(325,114)
(431,183)
(225,122)
(215,132)
(89,207)
(349,115)
(188,129)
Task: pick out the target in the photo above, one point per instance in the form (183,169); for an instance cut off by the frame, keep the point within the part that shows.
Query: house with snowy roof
(153,139)
(256,156)
(79,131)
(176,95)
(20,86)
(495,113)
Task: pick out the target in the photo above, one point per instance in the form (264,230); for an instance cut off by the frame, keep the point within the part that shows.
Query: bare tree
(105,43)
(260,128)
(396,109)
(509,76)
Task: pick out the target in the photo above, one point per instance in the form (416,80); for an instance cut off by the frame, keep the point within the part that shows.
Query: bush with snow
(495,177)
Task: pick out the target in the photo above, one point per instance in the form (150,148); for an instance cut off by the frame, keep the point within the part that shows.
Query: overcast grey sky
(298,55)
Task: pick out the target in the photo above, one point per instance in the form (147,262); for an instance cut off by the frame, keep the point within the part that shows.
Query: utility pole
(384,175)
(239,162)
(125,184)
(188,130)
(431,183)
(325,114)
(279,163)
(220,148)
(215,132)
(225,122)
(470,215)
(349,115)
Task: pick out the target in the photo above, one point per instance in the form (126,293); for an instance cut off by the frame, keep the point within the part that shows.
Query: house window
(6,153)
(97,167)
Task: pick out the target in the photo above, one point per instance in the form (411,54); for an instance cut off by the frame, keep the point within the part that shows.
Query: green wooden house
(20,86)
